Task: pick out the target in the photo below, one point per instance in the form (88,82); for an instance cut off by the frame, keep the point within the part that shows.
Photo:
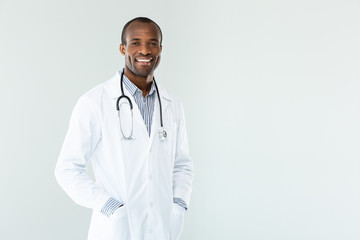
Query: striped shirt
(146,107)
(145,104)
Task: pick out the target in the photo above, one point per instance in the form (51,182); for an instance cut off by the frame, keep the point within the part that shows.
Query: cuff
(110,206)
(180,202)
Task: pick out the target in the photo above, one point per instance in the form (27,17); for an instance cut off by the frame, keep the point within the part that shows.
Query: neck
(143,83)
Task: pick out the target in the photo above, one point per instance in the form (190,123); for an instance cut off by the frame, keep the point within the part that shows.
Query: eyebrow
(138,39)
(135,39)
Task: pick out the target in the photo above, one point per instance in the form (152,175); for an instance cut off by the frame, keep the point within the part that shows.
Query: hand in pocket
(120,212)
(177,221)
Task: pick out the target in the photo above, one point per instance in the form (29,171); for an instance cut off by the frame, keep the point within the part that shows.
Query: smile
(144,60)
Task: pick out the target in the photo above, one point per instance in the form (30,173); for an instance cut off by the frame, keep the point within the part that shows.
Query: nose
(145,49)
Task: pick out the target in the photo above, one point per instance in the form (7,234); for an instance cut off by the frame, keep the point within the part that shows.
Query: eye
(154,43)
(134,43)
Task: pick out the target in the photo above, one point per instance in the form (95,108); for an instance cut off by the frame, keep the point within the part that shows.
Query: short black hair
(138,19)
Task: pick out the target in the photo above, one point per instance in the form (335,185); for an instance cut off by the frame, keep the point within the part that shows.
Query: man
(143,170)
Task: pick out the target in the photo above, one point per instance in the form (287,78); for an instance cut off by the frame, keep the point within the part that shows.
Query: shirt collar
(132,88)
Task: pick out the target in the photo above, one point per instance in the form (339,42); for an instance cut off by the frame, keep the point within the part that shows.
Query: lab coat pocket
(115,226)
(177,221)
(120,223)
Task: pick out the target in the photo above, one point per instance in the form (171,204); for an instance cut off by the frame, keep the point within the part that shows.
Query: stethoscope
(162,132)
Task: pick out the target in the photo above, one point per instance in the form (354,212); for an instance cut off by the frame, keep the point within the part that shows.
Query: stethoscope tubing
(162,132)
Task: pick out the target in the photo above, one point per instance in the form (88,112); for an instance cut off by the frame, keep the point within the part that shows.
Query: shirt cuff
(180,202)
(110,206)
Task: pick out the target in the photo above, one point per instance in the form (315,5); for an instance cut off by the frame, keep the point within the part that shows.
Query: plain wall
(271,96)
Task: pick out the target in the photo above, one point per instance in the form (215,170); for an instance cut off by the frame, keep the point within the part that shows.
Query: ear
(122,49)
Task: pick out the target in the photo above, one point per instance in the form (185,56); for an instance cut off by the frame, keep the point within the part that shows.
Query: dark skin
(142,51)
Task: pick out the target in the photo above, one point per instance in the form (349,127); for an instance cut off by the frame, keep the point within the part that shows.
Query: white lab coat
(145,174)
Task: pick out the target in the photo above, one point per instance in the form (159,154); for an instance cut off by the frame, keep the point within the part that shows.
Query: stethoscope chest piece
(162,134)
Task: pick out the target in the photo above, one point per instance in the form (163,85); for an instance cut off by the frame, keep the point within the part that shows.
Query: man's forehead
(142,28)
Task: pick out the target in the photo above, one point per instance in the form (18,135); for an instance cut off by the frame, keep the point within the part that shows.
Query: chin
(144,73)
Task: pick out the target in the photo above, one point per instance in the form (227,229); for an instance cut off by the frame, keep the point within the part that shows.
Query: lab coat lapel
(155,125)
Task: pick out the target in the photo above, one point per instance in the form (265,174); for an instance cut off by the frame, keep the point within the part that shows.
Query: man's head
(141,41)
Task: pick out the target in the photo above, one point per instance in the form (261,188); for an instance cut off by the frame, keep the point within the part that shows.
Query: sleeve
(183,164)
(80,142)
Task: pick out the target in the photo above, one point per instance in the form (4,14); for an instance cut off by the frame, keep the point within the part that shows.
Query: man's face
(142,49)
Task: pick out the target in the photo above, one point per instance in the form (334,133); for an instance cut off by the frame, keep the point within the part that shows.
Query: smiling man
(133,133)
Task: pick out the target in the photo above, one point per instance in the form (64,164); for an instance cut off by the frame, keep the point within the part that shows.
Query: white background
(271,95)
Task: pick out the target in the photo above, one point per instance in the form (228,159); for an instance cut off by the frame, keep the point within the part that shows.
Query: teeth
(143,60)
